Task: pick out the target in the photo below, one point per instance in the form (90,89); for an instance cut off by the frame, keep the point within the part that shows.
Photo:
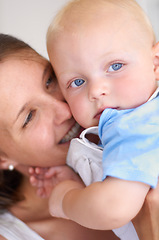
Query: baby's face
(103,64)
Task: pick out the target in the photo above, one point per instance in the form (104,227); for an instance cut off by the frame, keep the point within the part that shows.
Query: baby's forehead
(86,9)
(113,15)
(78,17)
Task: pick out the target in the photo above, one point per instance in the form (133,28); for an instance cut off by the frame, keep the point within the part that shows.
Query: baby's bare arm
(112,202)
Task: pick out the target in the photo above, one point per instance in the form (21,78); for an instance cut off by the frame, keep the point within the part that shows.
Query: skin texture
(39,109)
(85,64)
(28,210)
(24,82)
(33,137)
(102,63)
(147,228)
(46,225)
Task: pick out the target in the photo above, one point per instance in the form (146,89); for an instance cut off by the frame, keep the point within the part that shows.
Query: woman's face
(35,122)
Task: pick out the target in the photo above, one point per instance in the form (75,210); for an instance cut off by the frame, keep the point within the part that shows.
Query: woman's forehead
(16,79)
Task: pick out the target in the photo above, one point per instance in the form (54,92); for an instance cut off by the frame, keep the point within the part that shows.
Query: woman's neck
(34,212)
(32,208)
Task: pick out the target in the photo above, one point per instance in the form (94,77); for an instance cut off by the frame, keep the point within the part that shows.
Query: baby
(107,63)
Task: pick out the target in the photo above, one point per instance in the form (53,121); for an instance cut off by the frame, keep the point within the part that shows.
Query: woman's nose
(61,112)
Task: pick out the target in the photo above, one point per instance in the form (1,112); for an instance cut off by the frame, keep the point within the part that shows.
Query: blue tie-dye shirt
(131,143)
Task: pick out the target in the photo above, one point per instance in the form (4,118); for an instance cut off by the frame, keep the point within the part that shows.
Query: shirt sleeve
(131,143)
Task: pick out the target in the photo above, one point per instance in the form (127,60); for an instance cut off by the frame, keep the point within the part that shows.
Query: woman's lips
(72,133)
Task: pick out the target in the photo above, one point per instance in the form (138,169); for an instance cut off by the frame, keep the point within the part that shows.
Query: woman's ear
(156,60)
(7,164)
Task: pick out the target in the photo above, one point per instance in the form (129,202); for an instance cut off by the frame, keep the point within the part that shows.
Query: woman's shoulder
(13,228)
(2,238)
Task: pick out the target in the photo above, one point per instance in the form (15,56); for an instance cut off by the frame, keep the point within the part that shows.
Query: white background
(29,19)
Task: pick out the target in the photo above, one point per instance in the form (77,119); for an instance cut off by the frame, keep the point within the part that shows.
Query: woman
(35,128)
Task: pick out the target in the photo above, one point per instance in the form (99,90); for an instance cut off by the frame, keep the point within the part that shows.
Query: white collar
(154,94)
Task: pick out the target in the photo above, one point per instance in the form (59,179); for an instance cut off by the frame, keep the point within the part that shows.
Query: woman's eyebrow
(22,109)
(47,68)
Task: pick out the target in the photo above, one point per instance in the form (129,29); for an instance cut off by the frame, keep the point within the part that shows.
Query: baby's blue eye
(115,67)
(77,83)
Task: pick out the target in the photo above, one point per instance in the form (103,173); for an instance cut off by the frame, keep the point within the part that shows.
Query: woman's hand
(147,221)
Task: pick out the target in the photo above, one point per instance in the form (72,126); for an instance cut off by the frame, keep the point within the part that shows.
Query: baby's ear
(156,60)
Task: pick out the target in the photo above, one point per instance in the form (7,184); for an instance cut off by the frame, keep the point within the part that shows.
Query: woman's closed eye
(115,67)
(49,81)
(29,118)
(77,83)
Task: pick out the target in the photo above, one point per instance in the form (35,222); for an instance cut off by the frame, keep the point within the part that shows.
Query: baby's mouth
(72,133)
(99,113)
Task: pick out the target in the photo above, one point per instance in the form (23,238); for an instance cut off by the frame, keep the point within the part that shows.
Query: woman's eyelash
(49,81)
(28,118)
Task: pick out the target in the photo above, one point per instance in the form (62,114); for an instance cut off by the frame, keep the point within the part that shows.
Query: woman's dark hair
(13,47)
(10,181)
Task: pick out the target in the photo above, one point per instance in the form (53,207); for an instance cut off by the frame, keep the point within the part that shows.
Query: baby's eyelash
(115,66)
(77,83)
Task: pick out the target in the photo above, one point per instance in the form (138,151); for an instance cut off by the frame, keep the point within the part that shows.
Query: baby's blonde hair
(75,10)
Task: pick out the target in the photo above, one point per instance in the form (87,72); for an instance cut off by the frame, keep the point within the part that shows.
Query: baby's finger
(41,170)
(36,182)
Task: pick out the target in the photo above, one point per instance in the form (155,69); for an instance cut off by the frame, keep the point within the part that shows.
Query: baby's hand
(44,179)
(38,179)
